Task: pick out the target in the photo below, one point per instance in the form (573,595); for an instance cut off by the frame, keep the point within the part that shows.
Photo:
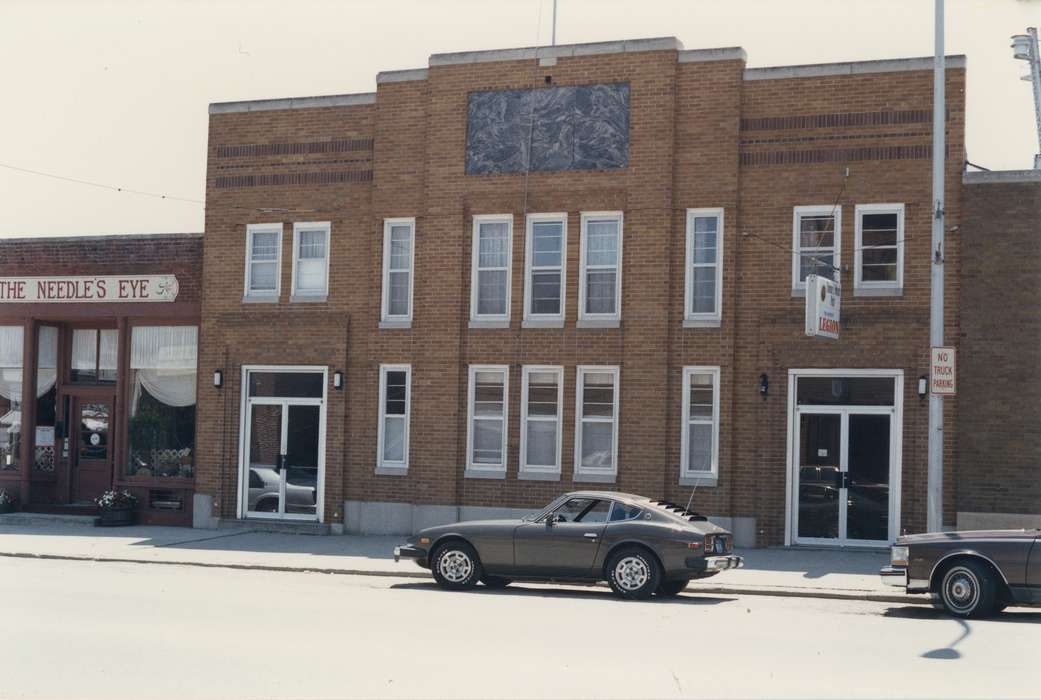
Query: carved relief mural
(585,127)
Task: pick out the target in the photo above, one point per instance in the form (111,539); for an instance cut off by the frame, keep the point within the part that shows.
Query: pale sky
(116,92)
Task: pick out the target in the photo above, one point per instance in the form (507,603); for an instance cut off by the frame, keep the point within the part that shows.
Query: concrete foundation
(202,512)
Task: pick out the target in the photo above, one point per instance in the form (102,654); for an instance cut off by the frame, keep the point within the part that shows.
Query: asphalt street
(113,630)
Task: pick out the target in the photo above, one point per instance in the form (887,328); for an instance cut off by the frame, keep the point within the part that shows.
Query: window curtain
(164,358)
(47,360)
(11,338)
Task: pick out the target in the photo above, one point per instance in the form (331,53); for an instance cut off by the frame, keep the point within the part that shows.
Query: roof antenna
(692,491)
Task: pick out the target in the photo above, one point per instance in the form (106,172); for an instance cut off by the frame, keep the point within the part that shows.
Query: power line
(113,188)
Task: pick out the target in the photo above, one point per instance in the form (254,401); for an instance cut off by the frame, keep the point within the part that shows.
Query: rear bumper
(715,564)
(894,576)
(407,551)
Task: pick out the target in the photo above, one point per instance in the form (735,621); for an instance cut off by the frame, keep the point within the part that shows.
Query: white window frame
(798,285)
(586,473)
(493,471)
(540,471)
(384,466)
(385,315)
(713,318)
(586,217)
(299,226)
(264,295)
(496,319)
(530,269)
(876,288)
(686,473)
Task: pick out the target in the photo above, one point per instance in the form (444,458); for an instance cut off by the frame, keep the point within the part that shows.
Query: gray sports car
(640,546)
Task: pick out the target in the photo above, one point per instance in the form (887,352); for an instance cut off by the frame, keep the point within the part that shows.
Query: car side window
(622,511)
(596,514)
(573,509)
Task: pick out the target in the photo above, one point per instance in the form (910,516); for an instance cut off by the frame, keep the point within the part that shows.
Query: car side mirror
(553,520)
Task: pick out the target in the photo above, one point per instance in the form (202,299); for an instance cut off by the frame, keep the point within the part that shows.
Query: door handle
(590,535)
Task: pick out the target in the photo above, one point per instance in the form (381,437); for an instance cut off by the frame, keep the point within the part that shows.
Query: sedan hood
(466,525)
(969,536)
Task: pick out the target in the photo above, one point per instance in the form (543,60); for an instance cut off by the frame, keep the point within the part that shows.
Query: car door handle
(590,535)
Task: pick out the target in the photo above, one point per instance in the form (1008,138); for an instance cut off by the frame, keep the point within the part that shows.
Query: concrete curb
(774,591)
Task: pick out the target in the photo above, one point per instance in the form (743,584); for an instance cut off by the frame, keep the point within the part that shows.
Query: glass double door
(284,458)
(844,475)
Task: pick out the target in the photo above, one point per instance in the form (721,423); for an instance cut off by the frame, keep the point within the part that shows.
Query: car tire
(496,582)
(968,589)
(671,588)
(633,573)
(455,566)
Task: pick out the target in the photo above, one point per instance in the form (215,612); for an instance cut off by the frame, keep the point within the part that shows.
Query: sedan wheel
(968,589)
(633,573)
(456,566)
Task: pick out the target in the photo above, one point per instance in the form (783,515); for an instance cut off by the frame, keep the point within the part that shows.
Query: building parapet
(401,76)
(990,177)
(669,43)
(817,70)
(360,98)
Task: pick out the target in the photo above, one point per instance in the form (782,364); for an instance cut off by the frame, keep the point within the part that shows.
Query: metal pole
(553,38)
(934,503)
(1035,79)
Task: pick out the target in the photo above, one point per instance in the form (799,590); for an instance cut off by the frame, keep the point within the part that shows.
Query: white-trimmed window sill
(594,478)
(878,292)
(391,471)
(393,324)
(801,293)
(471,473)
(475,324)
(598,323)
(537,476)
(542,323)
(702,322)
(308,298)
(708,480)
(259,299)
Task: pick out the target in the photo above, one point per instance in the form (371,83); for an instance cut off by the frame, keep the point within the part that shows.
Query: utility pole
(934,501)
(1025,48)
(553,37)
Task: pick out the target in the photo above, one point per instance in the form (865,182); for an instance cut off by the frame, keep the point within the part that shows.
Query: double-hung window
(398,249)
(310,260)
(395,405)
(816,243)
(600,283)
(704,289)
(486,419)
(263,261)
(490,278)
(545,257)
(542,401)
(700,438)
(596,423)
(878,253)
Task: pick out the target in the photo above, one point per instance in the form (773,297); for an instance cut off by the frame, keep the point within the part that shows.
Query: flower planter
(6,508)
(116,517)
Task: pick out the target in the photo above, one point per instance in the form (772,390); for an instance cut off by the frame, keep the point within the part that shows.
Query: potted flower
(117,508)
(6,502)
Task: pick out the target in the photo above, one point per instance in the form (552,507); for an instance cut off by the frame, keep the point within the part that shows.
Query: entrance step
(287,527)
(23,518)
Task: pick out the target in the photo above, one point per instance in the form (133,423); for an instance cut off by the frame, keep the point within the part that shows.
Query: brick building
(514,273)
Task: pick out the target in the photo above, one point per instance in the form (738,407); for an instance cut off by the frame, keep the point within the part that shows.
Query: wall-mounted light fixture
(337,379)
(923,386)
(764,384)
(218,378)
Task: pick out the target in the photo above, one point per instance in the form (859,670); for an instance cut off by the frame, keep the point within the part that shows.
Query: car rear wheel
(496,582)
(456,566)
(671,588)
(633,573)
(968,589)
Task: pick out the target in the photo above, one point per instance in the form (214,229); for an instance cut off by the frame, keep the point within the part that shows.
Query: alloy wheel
(455,566)
(631,573)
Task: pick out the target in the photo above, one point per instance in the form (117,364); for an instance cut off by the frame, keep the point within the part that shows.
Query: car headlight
(898,555)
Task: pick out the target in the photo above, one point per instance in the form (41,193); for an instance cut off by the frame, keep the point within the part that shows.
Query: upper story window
(11,350)
(700,439)
(94,355)
(600,286)
(704,289)
(596,417)
(398,248)
(395,399)
(879,250)
(816,243)
(487,409)
(546,255)
(263,261)
(542,402)
(311,260)
(490,276)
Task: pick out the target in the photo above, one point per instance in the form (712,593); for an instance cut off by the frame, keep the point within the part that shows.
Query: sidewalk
(847,574)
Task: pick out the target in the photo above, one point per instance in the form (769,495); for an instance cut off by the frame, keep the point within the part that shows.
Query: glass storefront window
(161,425)
(46,397)
(286,384)
(11,344)
(845,391)
(94,355)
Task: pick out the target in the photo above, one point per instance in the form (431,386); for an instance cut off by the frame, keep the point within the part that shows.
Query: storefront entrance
(282,443)
(91,460)
(844,461)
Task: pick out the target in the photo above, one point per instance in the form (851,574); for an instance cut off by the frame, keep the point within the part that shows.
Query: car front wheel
(968,589)
(633,573)
(456,566)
